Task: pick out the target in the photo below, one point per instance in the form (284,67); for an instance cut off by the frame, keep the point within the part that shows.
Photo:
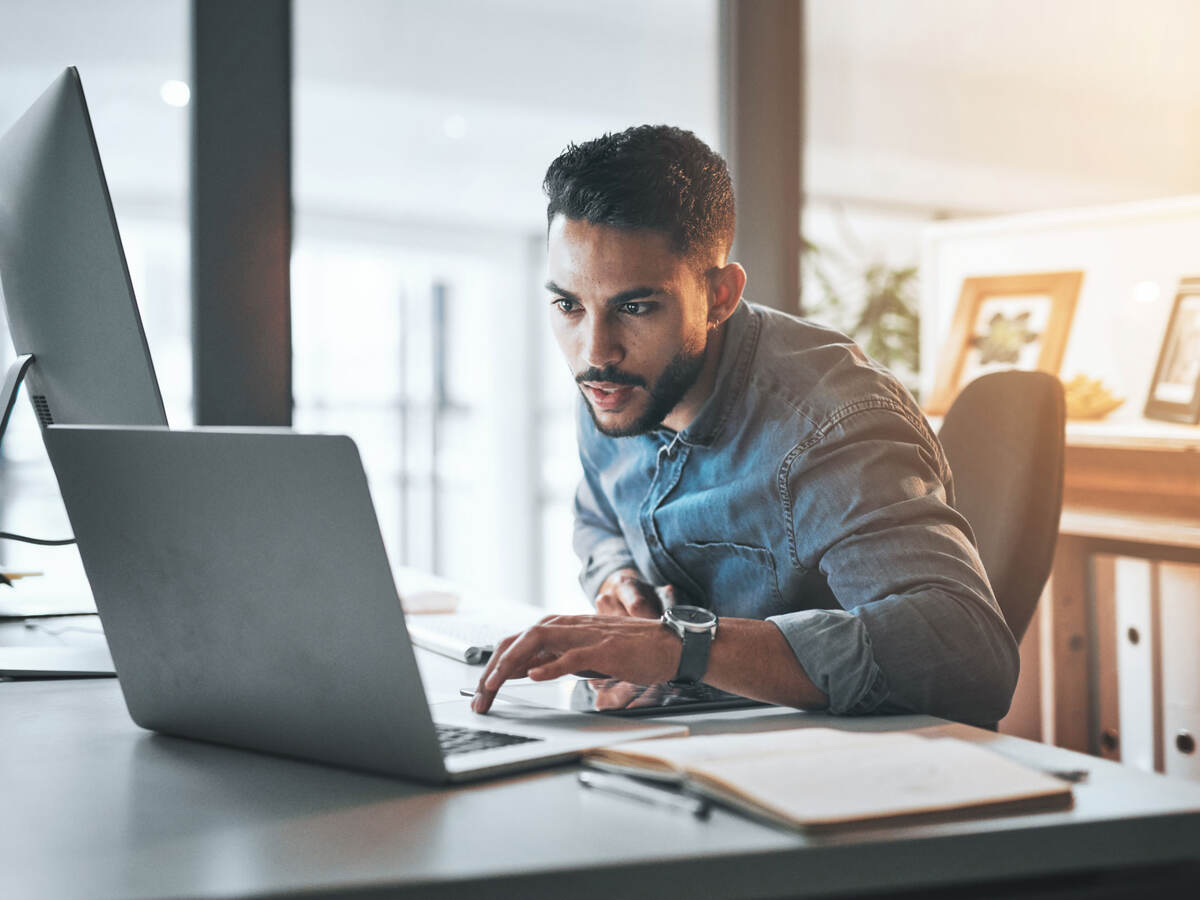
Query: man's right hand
(623,593)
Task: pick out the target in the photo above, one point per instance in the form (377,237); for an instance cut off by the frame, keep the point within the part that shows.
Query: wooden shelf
(1131,434)
(1143,475)
(1104,524)
(1138,434)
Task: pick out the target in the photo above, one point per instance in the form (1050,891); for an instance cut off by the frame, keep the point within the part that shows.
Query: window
(423,131)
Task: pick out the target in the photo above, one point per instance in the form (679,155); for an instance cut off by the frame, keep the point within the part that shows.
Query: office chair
(1004,439)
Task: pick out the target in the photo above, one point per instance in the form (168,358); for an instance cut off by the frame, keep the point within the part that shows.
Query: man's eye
(636,309)
(565,305)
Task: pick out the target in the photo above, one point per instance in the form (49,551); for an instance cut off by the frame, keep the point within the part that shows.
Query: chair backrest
(1004,439)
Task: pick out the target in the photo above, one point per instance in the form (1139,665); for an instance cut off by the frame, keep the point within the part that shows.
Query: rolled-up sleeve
(598,540)
(919,629)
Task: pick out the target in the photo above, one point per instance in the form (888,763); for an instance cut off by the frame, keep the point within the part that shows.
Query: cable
(9,536)
(33,625)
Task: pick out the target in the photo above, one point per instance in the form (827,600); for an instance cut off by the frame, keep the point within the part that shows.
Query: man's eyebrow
(637,293)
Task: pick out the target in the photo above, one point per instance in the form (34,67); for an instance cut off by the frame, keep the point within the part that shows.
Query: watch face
(693,615)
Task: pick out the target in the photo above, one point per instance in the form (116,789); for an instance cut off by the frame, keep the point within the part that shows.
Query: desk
(94,806)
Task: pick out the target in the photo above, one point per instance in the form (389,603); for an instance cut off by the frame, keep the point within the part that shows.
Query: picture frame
(1005,322)
(1174,394)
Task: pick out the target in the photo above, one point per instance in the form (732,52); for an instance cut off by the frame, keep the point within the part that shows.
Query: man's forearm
(748,657)
(751,657)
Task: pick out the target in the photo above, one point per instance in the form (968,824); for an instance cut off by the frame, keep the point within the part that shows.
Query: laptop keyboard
(455,739)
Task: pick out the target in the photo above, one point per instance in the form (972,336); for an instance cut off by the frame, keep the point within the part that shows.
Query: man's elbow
(971,682)
(985,694)
(1011,673)
(996,696)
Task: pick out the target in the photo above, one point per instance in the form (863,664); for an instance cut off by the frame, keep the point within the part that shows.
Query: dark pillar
(763,105)
(241,211)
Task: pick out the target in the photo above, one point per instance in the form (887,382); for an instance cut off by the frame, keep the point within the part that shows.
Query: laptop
(248,600)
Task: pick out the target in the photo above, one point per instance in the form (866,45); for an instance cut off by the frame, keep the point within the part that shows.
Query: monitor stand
(12,384)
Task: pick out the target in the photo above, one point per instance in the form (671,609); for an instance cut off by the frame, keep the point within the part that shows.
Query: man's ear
(725,286)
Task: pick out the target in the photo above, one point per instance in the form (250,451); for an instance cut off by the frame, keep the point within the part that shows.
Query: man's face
(631,318)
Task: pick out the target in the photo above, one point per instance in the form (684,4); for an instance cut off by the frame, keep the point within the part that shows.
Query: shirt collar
(733,371)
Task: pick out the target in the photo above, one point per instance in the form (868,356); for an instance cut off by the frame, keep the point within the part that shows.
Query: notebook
(820,778)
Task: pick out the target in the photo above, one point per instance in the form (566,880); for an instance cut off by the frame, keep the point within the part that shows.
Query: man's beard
(676,380)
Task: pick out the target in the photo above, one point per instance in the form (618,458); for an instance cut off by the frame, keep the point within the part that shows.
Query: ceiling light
(175,93)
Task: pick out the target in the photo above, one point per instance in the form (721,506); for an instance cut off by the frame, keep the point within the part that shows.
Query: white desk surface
(94,806)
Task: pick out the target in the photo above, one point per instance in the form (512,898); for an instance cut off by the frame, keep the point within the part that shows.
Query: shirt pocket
(736,579)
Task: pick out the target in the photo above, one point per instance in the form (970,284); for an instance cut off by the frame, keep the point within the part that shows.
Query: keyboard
(456,739)
(468,637)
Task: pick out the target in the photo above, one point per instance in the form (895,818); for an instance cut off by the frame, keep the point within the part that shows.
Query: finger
(503,645)
(565,664)
(608,605)
(535,643)
(643,607)
(639,600)
(526,650)
(666,596)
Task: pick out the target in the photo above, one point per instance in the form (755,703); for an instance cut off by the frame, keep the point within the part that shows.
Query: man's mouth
(607,396)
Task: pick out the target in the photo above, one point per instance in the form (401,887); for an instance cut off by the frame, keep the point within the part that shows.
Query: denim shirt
(808,491)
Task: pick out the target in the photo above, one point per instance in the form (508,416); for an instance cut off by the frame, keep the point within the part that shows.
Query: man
(779,491)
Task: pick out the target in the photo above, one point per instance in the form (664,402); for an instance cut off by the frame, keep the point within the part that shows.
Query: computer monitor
(63,277)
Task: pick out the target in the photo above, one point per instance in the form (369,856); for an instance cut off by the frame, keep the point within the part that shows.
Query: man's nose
(603,346)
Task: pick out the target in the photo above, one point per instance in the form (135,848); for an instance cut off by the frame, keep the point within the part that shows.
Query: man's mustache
(611,375)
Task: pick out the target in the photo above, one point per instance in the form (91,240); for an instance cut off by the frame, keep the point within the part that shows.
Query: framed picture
(1175,388)
(1005,322)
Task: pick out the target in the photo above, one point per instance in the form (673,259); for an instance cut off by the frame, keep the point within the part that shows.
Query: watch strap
(693,658)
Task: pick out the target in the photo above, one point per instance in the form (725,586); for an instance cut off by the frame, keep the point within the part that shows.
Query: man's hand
(628,648)
(623,593)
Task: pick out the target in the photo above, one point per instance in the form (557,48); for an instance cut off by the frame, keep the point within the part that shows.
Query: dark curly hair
(650,176)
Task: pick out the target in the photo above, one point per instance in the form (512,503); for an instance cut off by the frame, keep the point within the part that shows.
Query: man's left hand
(630,649)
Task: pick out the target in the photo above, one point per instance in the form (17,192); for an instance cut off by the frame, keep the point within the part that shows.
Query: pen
(1074,776)
(644,792)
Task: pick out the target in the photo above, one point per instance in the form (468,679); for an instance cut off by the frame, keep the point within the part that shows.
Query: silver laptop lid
(245,592)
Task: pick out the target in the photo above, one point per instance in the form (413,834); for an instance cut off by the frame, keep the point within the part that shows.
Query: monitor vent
(42,408)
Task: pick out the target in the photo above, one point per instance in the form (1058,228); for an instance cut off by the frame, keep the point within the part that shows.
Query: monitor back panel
(63,277)
(245,592)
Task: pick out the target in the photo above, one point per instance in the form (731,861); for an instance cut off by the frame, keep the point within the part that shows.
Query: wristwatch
(696,628)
